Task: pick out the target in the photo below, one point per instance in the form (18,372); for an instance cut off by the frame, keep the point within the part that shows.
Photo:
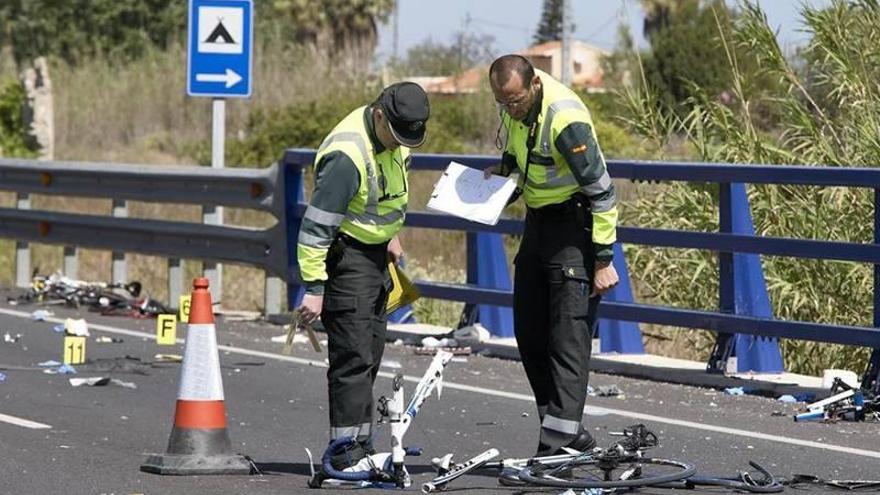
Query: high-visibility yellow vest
(550,180)
(376,213)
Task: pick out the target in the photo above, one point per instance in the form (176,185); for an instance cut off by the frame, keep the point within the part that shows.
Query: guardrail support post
(743,291)
(22,249)
(175,281)
(272,300)
(71,266)
(119,271)
(487,267)
(622,337)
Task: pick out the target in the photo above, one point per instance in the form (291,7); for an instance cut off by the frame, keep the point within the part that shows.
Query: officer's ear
(536,82)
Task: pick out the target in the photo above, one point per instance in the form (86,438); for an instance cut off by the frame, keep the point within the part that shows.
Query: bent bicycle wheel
(594,473)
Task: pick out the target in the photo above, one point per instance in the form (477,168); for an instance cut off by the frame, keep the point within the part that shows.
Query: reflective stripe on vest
(545,149)
(371,208)
(372,183)
(547,126)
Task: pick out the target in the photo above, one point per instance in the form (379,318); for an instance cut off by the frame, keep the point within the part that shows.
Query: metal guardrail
(257,189)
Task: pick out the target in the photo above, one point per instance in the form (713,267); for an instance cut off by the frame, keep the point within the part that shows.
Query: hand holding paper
(465,192)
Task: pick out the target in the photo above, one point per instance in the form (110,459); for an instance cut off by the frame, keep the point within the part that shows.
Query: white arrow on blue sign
(219,57)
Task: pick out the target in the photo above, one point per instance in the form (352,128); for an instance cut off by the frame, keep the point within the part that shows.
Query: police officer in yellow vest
(564,261)
(347,236)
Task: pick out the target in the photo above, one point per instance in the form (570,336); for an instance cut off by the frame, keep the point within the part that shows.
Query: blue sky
(512,22)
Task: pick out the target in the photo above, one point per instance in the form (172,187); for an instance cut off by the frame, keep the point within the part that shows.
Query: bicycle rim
(586,473)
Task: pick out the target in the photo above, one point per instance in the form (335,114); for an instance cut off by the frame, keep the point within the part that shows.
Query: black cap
(406,108)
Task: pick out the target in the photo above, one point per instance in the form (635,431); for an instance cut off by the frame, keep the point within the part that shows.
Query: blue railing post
(293,195)
(726,303)
(742,290)
(623,337)
(487,268)
(753,352)
(492,273)
(470,313)
(871,379)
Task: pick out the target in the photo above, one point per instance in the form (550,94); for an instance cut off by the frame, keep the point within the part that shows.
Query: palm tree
(345,31)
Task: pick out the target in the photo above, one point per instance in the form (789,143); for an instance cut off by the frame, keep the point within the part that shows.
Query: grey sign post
(219,59)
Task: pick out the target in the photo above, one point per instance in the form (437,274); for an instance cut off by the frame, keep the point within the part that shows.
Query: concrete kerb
(646,367)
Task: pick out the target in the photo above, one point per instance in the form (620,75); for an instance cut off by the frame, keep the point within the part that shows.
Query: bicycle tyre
(533,474)
(735,484)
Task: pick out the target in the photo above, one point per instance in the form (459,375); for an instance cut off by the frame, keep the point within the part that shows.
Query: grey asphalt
(276,407)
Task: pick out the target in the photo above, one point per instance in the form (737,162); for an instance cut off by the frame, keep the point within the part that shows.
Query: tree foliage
(13,134)
(125,29)
(685,49)
(74,29)
(342,30)
(550,26)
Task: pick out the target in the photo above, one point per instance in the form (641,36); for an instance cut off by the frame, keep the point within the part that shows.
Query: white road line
(23,422)
(509,395)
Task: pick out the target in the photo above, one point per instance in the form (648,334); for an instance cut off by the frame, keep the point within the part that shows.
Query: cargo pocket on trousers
(339,303)
(570,287)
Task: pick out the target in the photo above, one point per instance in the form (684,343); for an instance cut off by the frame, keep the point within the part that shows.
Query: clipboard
(403,291)
(464,192)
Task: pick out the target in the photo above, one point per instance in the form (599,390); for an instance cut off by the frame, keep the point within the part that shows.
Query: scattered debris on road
(106,298)
(100,381)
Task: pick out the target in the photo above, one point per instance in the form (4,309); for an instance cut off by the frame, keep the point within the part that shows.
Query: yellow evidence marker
(183,306)
(166,329)
(74,349)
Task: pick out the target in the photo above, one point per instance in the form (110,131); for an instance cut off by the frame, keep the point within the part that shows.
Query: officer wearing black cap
(347,236)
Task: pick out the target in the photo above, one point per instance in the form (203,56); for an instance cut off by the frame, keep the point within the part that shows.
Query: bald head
(509,67)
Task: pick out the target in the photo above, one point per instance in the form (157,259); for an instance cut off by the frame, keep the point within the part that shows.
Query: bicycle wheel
(628,472)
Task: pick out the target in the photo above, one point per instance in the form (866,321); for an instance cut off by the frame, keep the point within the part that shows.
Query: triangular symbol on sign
(220,32)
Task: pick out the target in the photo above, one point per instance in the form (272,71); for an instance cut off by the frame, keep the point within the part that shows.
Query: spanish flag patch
(579,148)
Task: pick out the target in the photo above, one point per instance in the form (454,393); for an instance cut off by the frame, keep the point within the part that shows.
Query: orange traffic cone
(199,442)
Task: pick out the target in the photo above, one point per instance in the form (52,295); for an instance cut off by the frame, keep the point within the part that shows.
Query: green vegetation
(78,29)
(828,115)
(13,135)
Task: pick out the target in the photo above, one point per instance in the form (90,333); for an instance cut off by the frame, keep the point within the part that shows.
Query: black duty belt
(362,246)
(559,208)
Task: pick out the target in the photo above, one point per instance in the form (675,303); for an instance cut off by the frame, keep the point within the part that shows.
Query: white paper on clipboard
(463,192)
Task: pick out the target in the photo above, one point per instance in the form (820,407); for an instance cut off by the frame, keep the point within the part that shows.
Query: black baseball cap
(406,107)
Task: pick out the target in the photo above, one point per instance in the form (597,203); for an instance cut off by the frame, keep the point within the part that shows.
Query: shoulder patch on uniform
(579,148)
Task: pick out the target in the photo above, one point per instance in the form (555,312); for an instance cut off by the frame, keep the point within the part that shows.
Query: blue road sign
(220,48)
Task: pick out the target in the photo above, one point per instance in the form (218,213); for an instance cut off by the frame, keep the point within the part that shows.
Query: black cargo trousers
(354,316)
(554,315)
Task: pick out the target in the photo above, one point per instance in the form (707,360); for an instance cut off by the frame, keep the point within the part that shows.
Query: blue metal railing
(729,242)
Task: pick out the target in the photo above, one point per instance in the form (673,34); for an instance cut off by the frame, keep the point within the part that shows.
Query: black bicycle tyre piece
(745,482)
(532,474)
(735,484)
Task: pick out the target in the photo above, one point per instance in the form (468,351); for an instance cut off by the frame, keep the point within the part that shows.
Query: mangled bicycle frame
(387,469)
